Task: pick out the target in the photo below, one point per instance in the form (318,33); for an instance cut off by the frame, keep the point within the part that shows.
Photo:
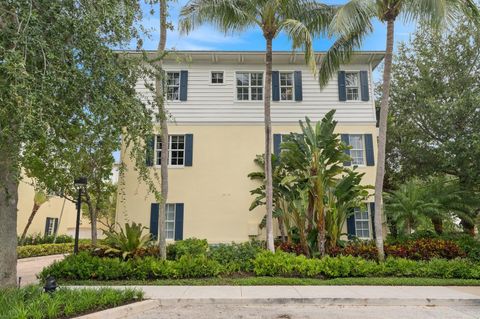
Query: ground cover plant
(32,302)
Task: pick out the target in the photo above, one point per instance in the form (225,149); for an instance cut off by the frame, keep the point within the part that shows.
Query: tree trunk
(310,214)
(268,143)
(35,209)
(382,139)
(281,226)
(93,216)
(8,221)
(162,242)
(437,225)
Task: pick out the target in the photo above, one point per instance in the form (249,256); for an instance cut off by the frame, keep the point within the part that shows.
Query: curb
(123,311)
(324,301)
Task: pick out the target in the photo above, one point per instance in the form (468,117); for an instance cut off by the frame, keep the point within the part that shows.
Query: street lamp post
(79,183)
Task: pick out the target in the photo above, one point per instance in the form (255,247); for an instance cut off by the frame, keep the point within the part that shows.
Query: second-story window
(173,86)
(286,86)
(249,86)
(217,77)
(176,150)
(357,152)
(352,84)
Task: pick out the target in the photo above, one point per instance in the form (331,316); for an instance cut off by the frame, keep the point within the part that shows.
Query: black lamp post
(79,183)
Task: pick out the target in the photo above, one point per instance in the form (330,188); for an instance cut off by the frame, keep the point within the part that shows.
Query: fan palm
(297,18)
(39,199)
(352,23)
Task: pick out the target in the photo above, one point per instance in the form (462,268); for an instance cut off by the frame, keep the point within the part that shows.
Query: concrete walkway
(28,268)
(318,295)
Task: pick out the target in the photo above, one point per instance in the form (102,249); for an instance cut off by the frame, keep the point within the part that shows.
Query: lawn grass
(271,281)
(32,302)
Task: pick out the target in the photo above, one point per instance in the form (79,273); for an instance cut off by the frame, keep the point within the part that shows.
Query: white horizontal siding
(217,103)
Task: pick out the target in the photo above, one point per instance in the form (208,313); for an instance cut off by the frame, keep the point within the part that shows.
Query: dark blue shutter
(183,85)
(188,149)
(47,223)
(55,225)
(364,85)
(372,217)
(179,221)
(351,226)
(346,141)
(277,140)
(369,149)
(297,75)
(342,89)
(150,150)
(154,211)
(275,86)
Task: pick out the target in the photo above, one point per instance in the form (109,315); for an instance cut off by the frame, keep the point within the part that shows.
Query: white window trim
(217,84)
(51,225)
(179,86)
(364,149)
(280,86)
(155,156)
(359,86)
(174,225)
(249,87)
(369,220)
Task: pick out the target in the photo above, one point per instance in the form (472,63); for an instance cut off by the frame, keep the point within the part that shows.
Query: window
(352,83)
(249,86)
(217,77)
(362,223)
(357,152)
(173,86)
(176,150)
(170,221)
(286,86)
(51,226)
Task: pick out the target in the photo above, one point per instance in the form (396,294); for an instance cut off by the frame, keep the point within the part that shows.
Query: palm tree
(351,23)
(297,18)
(39,199)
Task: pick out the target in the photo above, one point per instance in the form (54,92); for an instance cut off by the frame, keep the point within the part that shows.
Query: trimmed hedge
(280,264)
(44,250)
(39,239)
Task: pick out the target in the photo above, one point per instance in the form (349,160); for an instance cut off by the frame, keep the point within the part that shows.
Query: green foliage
(188,247)
(39,239)
(128,241)
(236,257)
(32,302)
(44,250)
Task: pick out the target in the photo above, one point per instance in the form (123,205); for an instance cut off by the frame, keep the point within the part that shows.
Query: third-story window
(217,77)
(357,152)
(249,86)
(352,83)
(286,86)
(176,150)
(173,86)
(170,221)
(362,223)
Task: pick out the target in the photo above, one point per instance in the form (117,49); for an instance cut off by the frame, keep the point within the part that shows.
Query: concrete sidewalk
(319,295)
(28,268)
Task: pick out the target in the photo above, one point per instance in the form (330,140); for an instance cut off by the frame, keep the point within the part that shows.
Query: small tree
(39,198)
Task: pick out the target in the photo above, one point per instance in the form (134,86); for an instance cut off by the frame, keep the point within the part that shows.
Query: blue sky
(207,38)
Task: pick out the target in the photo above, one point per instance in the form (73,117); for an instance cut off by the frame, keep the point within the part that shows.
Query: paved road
(28,268)
(299,311)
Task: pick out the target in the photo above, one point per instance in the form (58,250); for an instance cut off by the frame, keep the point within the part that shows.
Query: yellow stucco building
(216,130)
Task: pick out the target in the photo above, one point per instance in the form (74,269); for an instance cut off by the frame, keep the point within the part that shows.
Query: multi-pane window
(362,223)
(170,221)
(357,152)
(286,86)
(352,83)
(51,226)
(173,86)
(217,77)
(249,86)
(176,150)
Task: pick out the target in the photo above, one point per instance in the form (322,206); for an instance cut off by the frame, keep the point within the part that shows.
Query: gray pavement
(302,311)
(28,268)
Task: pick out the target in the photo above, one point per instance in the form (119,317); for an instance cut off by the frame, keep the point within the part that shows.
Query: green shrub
(32,302)
(190,246)
(236,257)
(43,250)
(127,242)
(189,266)
(39,239)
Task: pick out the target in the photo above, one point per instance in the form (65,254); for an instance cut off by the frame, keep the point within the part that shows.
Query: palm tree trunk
(310,214)
(162,242)
(35,209)
(382,139)
(437,225)
(8,219)
(268,143)
(281,226)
